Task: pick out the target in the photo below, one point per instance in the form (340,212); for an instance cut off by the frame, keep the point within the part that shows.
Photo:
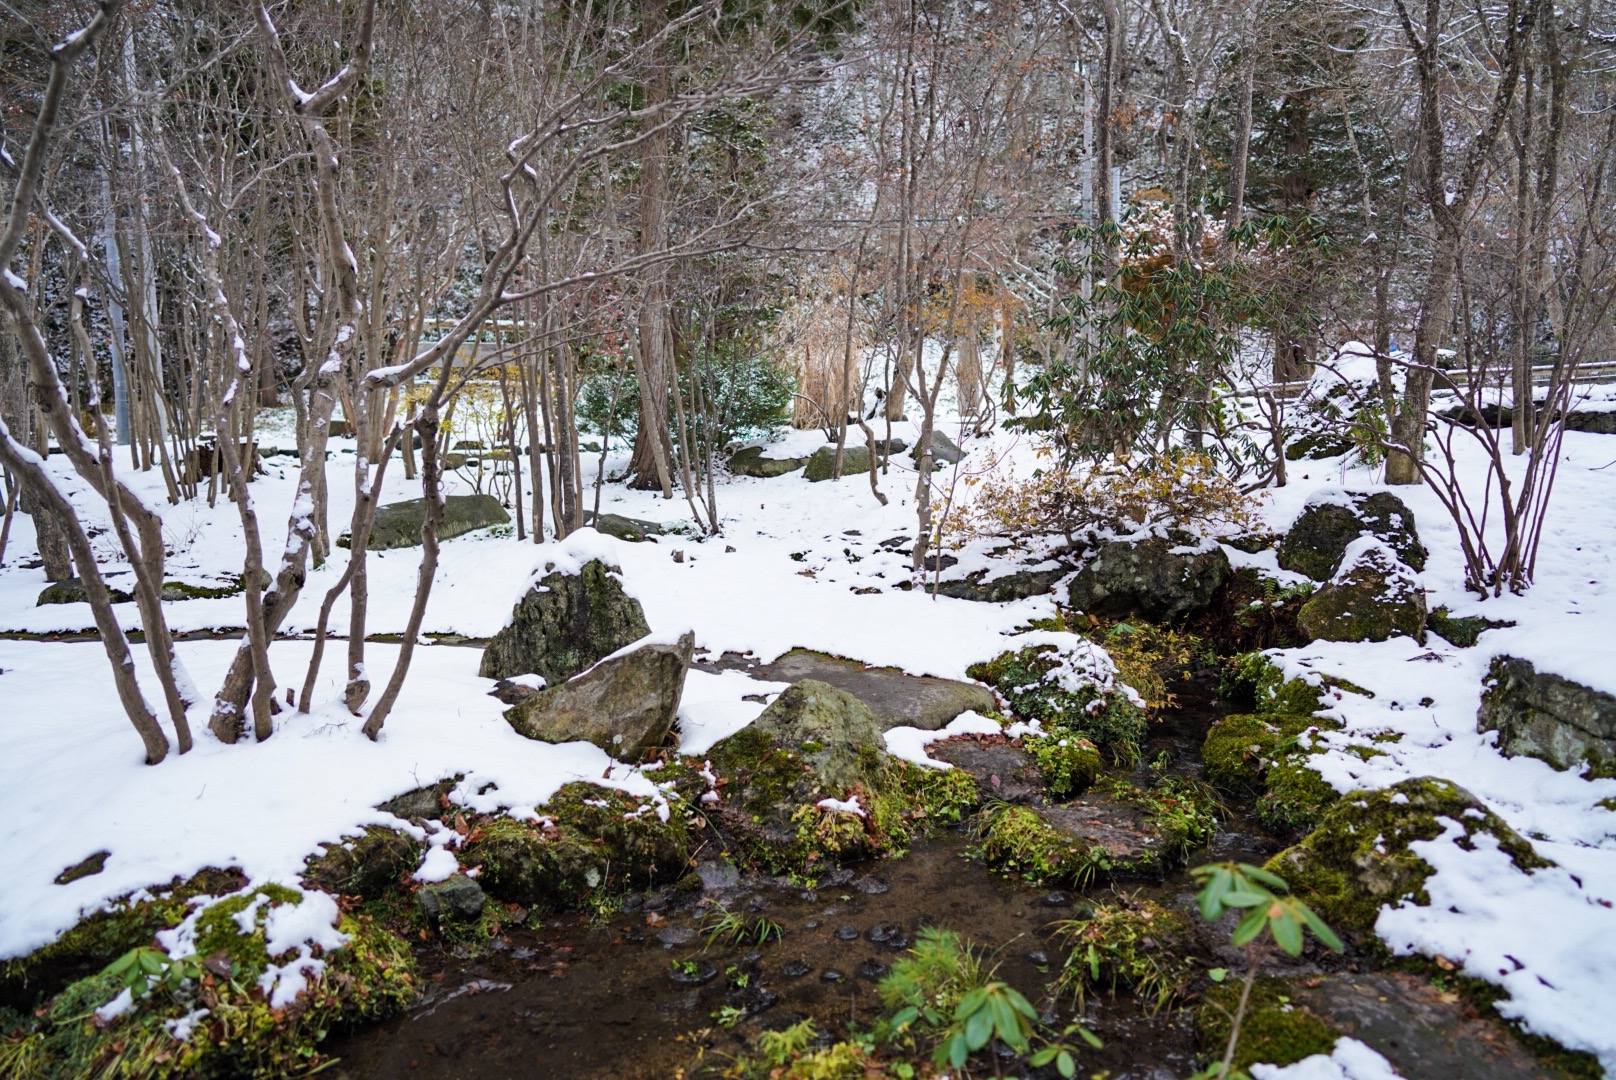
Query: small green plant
(143,969)
(1265,899)
(732,928)
(686,968)
(1133,945)
(729,1015)
(1069,766)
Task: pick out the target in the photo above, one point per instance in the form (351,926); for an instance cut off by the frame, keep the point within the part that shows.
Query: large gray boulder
(1334,518)
(812,740)
(1371,598)
(625,705)
(752,462)
(564,624)
(822,463)
(944,451)
(893,696)
(1156,579)
(633,530)
(1543,715)
(398,525)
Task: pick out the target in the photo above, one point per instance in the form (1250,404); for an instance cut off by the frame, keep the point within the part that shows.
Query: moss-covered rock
(1333,519)
(1129,945)
(1372,597)
(367,865)
(1254,681)
(1117,829)
(1463,631)
(816,744)
(240,1035)
(1266,756)
(1069,766)
(1040,683)
(1547,716)
(564,624)
(1358,859)
(752,462)
(1155,579)
(1275,1030)
(591,841)
(101,937)
(398,525)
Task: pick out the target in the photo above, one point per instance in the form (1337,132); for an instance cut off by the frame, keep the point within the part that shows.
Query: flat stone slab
(1419,1029)
(897,699)
(1121,828)
(1001,769)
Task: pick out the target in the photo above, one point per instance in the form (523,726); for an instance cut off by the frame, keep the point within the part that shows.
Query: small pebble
(1039,957)
(811,924)
(795,969)
(898,942)
(881,932)
(1055,899)
(676,935)
(870,885)
(831,975)
(847,932)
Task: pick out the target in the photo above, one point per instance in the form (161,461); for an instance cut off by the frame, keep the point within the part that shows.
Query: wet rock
(565,624)
(847,932)
(1001,769)
(870,885)
(633,530)
(795,969)
(944,451)
(398,525)
(894,697)
(676,935)
(1546,716)
(1372,597)
(1594,423)
(831,975)
(1359,859)
(1333,519)
(883,932)
(368,865)
(459,899)
(625,705)
(872,970)
(692,972)
(1157,580)
(752,462)
(718,874)
(1055,899)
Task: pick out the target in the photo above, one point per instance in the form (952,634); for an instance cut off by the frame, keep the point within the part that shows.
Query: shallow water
(642,994)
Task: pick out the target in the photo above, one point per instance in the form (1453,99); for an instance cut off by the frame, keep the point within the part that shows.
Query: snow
(798,565)
(842,806)
(1350,1060)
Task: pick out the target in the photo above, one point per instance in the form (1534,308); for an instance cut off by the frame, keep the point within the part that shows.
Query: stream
(642,994)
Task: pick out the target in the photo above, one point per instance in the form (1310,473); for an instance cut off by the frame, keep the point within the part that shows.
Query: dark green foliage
(748,396)
(1069,766)
(1108,720)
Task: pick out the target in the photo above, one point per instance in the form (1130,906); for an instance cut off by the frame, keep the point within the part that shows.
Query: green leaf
(1287,933)
(1273,881)
(1065,1065)
(958,1051)
(1217,975)
(1250,927)
(978,1029)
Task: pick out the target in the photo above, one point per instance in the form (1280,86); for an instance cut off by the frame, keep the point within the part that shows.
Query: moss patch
(1108,720)
(1275,1030)
(100,938)
(1069,766)
(1358,859)
(592,841)
(241,1036)
(1266,755)
(1130,945)
(1253,681)
(1016,840)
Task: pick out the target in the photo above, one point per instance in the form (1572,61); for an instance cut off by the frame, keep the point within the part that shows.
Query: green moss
(101,937)
(1131,945)
(595,841)
(1295,798)
(368,978)
(1017,841)
(218,929)
(1253,681)
(1463,632)
(1274,1030)
(1109,721)
(1358,857)
(1069,766)
(1182,813)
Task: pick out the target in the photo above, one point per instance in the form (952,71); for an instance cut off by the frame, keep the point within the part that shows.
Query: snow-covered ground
(798,564)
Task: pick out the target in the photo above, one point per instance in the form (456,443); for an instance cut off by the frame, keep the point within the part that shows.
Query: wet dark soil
(646,994)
